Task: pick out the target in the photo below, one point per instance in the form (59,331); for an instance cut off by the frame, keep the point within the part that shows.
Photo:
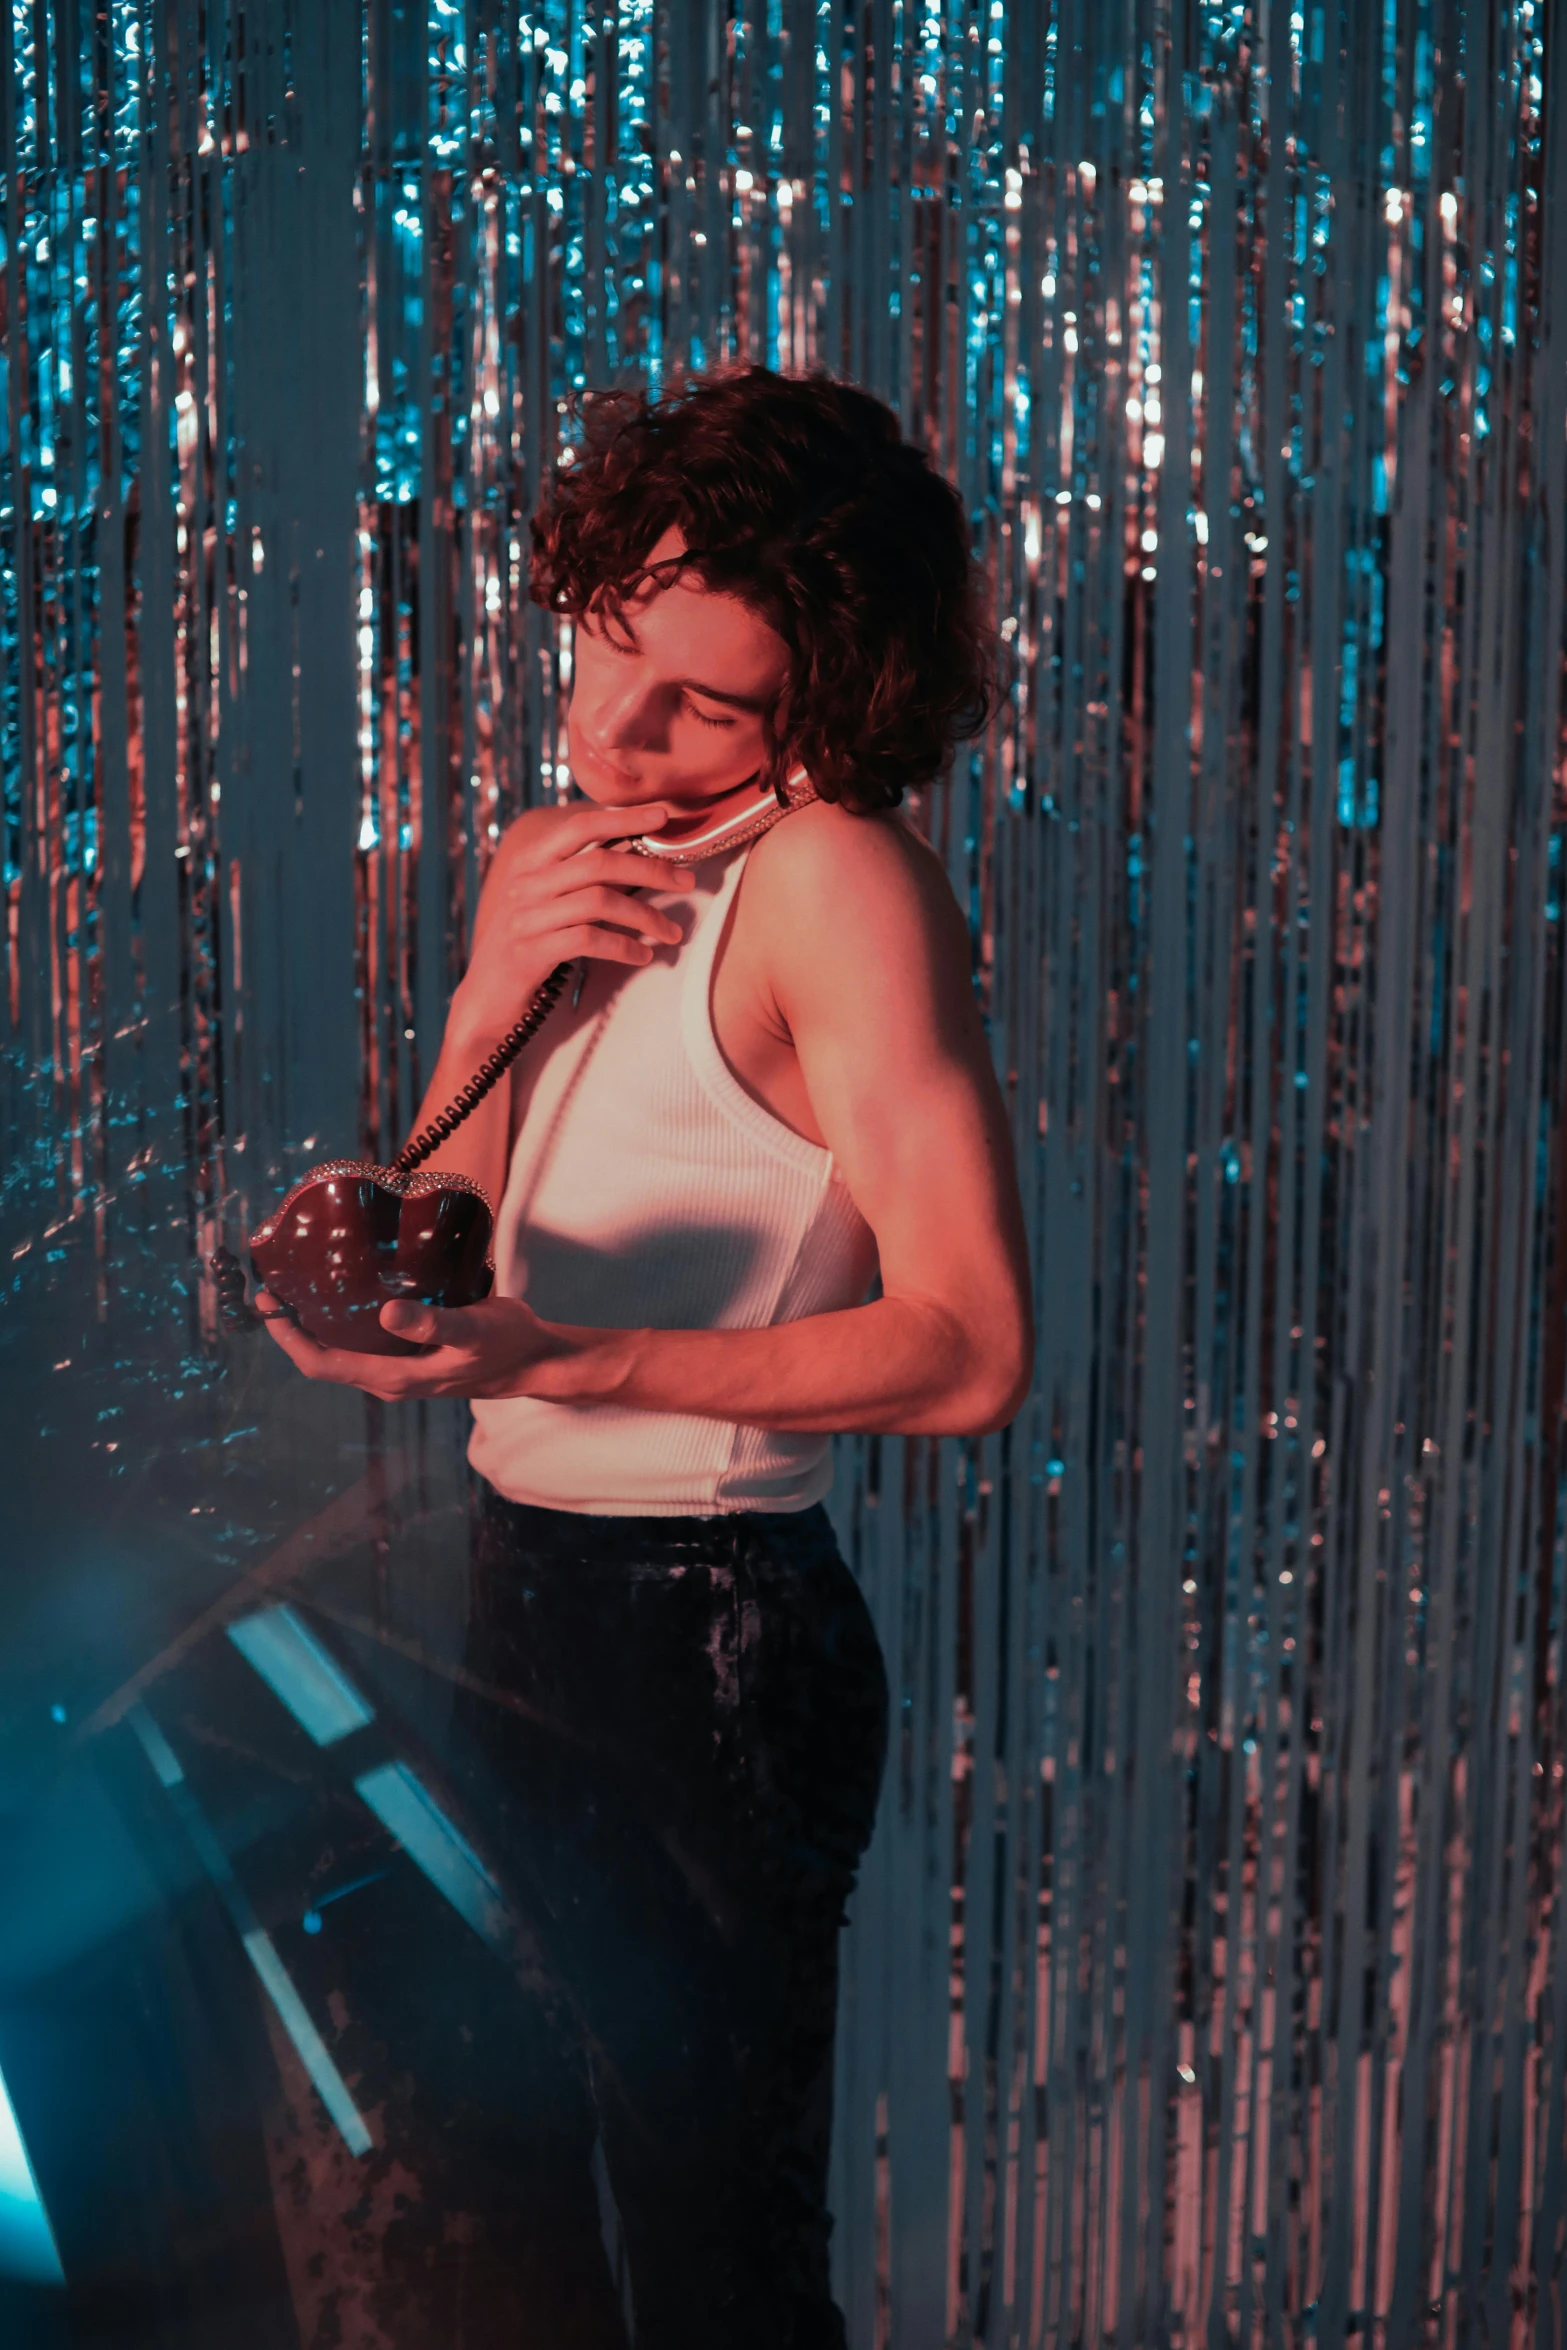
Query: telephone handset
(349,1235)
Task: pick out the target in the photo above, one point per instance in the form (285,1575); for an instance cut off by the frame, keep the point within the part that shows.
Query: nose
(632,716)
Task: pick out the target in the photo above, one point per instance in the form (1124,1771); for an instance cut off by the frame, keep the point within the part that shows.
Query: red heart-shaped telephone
(349,1236)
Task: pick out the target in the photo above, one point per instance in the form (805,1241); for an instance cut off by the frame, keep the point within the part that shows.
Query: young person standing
(756,1186)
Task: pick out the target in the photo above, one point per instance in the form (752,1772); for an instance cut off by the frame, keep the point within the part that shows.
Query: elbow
(995,1413)
(978,1370)
(999,1386)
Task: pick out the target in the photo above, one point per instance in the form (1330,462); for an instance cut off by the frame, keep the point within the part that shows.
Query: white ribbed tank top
(648,1190)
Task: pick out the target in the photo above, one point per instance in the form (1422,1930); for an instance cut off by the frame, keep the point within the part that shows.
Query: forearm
(896,1365)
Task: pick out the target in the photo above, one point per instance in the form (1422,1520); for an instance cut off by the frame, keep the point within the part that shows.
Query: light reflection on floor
(256,1942)
(27,2246)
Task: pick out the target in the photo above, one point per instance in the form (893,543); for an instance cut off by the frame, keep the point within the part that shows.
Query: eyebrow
(753,702)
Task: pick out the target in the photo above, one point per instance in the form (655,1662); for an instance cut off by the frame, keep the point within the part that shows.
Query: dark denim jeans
(672,1733)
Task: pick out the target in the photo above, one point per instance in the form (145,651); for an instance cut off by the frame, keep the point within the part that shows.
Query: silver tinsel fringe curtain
(1203,1982)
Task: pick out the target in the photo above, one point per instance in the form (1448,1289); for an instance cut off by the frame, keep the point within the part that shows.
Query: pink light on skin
(671,704)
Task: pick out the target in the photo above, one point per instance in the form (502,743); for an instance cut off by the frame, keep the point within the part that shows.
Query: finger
(316,1362)
(614,865)
(307,1353)
(603,946)
(544,900)
(284,1330)
(590,914)
(588,824)
(409,1378)
(603,903)
(411,1386)
(422,1325)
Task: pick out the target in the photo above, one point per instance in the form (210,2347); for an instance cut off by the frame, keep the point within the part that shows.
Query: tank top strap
(713,1072)
(702,952)
(710,902)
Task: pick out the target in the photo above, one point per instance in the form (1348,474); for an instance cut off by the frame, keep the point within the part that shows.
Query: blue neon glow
(330,2085)
(306,1676)
(311,1921)
(27,2246)
(407,1810)
(156,1747)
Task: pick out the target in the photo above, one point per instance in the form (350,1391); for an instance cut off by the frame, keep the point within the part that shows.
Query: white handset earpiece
(690,840)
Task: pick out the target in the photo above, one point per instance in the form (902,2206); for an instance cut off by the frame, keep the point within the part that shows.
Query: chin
(607,795)
(601,781)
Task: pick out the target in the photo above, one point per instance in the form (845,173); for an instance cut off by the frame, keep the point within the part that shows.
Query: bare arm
(869,961)
(556,888)
(868,955)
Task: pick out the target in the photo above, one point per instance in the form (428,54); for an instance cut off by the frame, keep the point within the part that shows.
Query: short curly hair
(800,495)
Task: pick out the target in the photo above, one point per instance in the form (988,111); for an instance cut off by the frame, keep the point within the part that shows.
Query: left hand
(483,1350)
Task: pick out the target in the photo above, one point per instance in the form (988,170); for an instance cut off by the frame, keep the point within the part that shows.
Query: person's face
(670,704)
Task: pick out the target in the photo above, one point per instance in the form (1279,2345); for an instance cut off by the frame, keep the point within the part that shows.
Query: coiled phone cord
(484,1079)
(731,832)
(234,1308)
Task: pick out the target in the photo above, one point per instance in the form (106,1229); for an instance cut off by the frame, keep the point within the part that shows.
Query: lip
(582,740)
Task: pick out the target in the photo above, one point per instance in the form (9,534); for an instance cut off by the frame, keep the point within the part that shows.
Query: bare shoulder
(855,905)
(827,863)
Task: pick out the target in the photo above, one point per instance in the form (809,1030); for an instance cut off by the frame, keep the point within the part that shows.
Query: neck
(688,818)
(725,821)
(713,810)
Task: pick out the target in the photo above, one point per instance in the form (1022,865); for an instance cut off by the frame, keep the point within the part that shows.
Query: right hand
(557,888)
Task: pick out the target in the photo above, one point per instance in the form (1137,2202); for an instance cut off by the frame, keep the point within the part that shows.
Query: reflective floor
(420,1923)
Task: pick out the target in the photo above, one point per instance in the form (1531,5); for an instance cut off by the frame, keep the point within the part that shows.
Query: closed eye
(694,709)
(701,716)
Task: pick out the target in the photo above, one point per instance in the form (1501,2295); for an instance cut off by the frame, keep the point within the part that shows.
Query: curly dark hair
(799,495)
